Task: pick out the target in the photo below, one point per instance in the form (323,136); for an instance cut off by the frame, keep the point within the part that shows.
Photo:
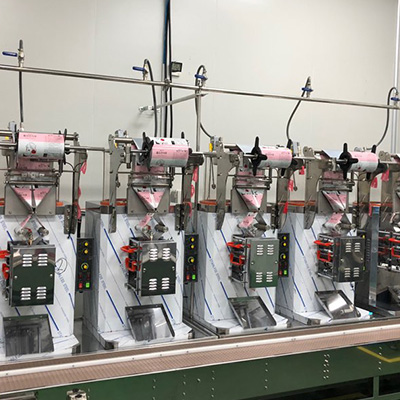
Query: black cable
(21,100)
(387,116)
(78,228)
(153,89)
(165,64)
(72,205)
(196,82)
(171,113)
(74,170)
(292,115)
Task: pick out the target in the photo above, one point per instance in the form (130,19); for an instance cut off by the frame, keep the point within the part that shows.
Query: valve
(20,54)
(307,89)
(143,70)
(200,79)
(395,98)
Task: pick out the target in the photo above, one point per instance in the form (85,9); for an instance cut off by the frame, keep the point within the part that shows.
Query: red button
(188,277)
(80,285)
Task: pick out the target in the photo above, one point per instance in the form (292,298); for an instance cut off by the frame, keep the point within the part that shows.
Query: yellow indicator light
(85,266)
(86,251)
(86,244)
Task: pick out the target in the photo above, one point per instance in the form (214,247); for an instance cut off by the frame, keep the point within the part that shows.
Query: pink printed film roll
(41,146)
(277,157)
(367,161)
(168,152)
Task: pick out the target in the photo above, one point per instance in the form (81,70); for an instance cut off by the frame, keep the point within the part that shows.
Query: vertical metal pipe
(393,142)
(205,166)
(198,120)
(198,132)
(104,176)
(197,188)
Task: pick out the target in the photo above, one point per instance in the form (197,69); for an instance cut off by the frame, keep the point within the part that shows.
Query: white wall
(264,45)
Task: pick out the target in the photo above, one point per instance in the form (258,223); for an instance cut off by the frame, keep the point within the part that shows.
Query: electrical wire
(153,89)
(202,69)
(171,112)
(167,61)
(164,62)
(292,115)
(387,115)
(21,99)
(74,170)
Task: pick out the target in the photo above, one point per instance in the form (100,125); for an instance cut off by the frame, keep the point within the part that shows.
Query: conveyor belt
(161,358)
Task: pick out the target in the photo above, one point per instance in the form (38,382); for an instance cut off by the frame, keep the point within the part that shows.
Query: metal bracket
(172,102)
(117,157)
(225,163)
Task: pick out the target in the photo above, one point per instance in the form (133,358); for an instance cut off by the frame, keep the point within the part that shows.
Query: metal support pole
(198,120)
(393,142)
(197,187)
(113,78)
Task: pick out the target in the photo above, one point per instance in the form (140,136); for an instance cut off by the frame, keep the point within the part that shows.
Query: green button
(87,285)
(285,272)
(193,277)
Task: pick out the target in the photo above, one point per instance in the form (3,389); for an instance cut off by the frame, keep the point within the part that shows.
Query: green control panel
(283,270)
(84,262)
(191,257)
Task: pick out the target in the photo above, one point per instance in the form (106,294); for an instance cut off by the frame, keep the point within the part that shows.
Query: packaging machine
(142,254)
(235,263)
(328,244)
(38,278)
(381,289)
(242,255)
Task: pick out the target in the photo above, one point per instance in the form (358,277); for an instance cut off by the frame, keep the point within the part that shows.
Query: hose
(292,115)
(21,100)
(171,113)
(153,89)
(387,115)
(202,69)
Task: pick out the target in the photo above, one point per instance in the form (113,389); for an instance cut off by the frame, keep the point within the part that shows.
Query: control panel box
(29,270)
(341,258)
(283,266)
(254,261)
(191,258)
(84,264)
(151,266)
